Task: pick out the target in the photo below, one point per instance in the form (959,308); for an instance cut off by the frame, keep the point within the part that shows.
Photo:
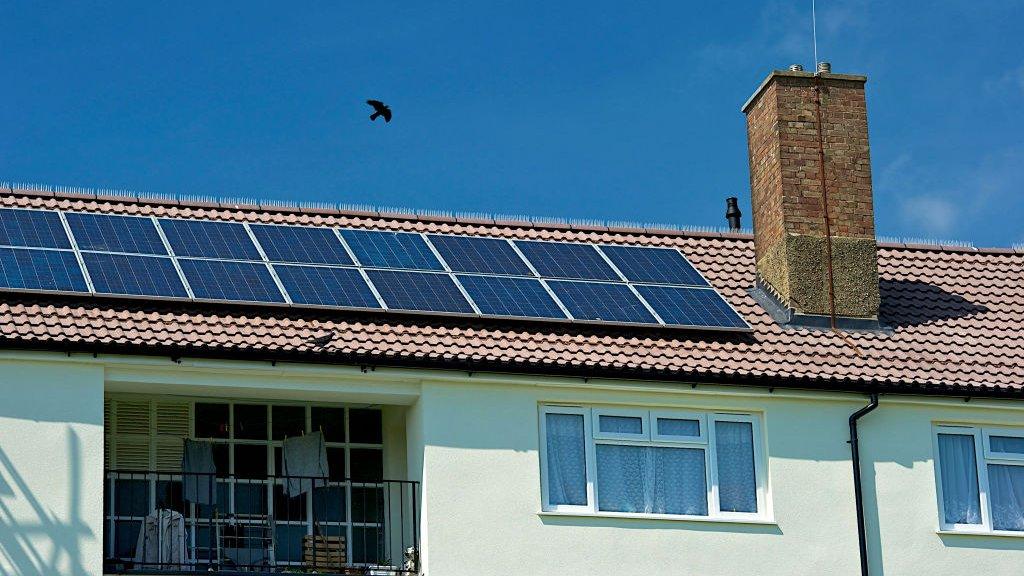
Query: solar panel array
(203,260)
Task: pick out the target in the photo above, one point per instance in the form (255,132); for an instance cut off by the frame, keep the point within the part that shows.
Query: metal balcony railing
(170,522)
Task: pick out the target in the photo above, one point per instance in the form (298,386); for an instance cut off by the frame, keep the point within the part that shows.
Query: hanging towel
(199,473)
(304,456)
(162,541)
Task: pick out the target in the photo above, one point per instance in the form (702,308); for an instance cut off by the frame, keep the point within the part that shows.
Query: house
(850,407)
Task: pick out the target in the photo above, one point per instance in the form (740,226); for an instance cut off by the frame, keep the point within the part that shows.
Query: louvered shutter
(171,428)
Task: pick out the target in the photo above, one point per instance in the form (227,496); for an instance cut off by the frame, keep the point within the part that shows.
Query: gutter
(858,491)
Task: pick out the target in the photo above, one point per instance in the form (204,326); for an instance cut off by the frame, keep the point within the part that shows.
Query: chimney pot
(796,67)
(732,213)
(824,68)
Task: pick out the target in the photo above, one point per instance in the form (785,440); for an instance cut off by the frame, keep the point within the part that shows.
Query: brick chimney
(791,234)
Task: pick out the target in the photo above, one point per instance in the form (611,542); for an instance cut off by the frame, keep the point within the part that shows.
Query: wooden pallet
(323,551)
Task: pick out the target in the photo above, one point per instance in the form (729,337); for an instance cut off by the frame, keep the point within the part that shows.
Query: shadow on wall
(34,541)
(913,303)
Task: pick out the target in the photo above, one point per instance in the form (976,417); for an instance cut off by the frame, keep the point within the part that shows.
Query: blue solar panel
(482,255)
(35,228)
(419,291)
(391,250)
(40,270)
(691,307)
(322,286)
(601,301)
(115,233)
(300,244)
(657,265)
(133,275)
(563,260)
(503,296)
(219,280)
(209,239)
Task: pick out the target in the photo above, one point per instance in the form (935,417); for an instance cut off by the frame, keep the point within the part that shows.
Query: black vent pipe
(732,213)
(858,491)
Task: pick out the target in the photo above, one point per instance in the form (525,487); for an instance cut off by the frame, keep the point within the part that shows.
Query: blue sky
(603,110)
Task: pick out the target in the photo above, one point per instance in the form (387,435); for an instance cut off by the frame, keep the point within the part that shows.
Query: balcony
(252,526)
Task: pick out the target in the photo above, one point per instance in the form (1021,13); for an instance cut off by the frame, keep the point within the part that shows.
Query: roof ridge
(400,212)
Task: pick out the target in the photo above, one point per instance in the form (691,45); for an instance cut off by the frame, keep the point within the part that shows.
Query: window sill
(664,517)
(1000,534)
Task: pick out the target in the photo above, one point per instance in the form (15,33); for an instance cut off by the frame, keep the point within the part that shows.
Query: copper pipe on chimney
(824,212)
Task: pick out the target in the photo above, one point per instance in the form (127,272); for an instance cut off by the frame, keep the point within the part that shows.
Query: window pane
(329,503)
(288,509)
(211,420)
(336,464)
(680,482)
(734,446)
(367,505)
(677,427)
(1008,444)
(367,465)
(566,465)
(221,461)
(127,535)
(959,470)
(131,497)
(621,424)
(331,421)
(288,542)
(623,478)
(168,495)
(288,421)
(1007,484)
(364,426)
(251,421)
(251,499)
(250,461)
(368,545)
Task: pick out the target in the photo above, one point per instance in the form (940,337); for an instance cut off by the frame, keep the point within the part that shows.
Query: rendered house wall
(51,468)
(482,505)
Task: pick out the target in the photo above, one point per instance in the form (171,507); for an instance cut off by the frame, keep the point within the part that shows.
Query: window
(619,461)
(980,476)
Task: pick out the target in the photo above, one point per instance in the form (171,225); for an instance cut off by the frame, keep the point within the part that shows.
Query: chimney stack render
(791,234)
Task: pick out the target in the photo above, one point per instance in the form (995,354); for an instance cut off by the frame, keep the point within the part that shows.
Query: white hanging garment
(161,542)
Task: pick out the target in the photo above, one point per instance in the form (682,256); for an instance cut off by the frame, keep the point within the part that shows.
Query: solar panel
(34,228)
(220,280)
(657,265)
(27,269)
(601,301)
(300,244)
(391,250)
(481,255)
(424,291)
(504,296)
(209,239)
(106,233)
(133,275)
(691,306)
(563,260)
(323,286)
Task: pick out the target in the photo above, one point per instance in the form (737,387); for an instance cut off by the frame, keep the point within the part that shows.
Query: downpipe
(858,491)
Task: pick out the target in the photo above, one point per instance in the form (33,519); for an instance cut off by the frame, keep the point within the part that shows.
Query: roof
(956,316)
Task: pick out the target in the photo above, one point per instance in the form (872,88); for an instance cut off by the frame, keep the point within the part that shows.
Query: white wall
(482,507)
(51,469)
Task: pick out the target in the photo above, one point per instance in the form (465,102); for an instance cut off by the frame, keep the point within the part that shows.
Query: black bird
(379,109)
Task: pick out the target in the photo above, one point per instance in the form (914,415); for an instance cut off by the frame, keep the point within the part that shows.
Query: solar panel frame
(202,289)
(386,249)
(117,233)
(205,239)
(399,288)
(501,257)
(331,251)
(567,260)
(143,268)
(583,307)
(293,276)
(26,228)
(482,289)
(674,269)
(690,302)
(14,262)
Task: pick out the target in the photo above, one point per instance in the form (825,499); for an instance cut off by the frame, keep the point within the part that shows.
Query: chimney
(792,235)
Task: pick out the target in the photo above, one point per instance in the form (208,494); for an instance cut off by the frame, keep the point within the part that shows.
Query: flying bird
(379,109)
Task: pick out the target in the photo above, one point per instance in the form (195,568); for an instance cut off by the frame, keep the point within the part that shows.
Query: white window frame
(983,457)
(705,442)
